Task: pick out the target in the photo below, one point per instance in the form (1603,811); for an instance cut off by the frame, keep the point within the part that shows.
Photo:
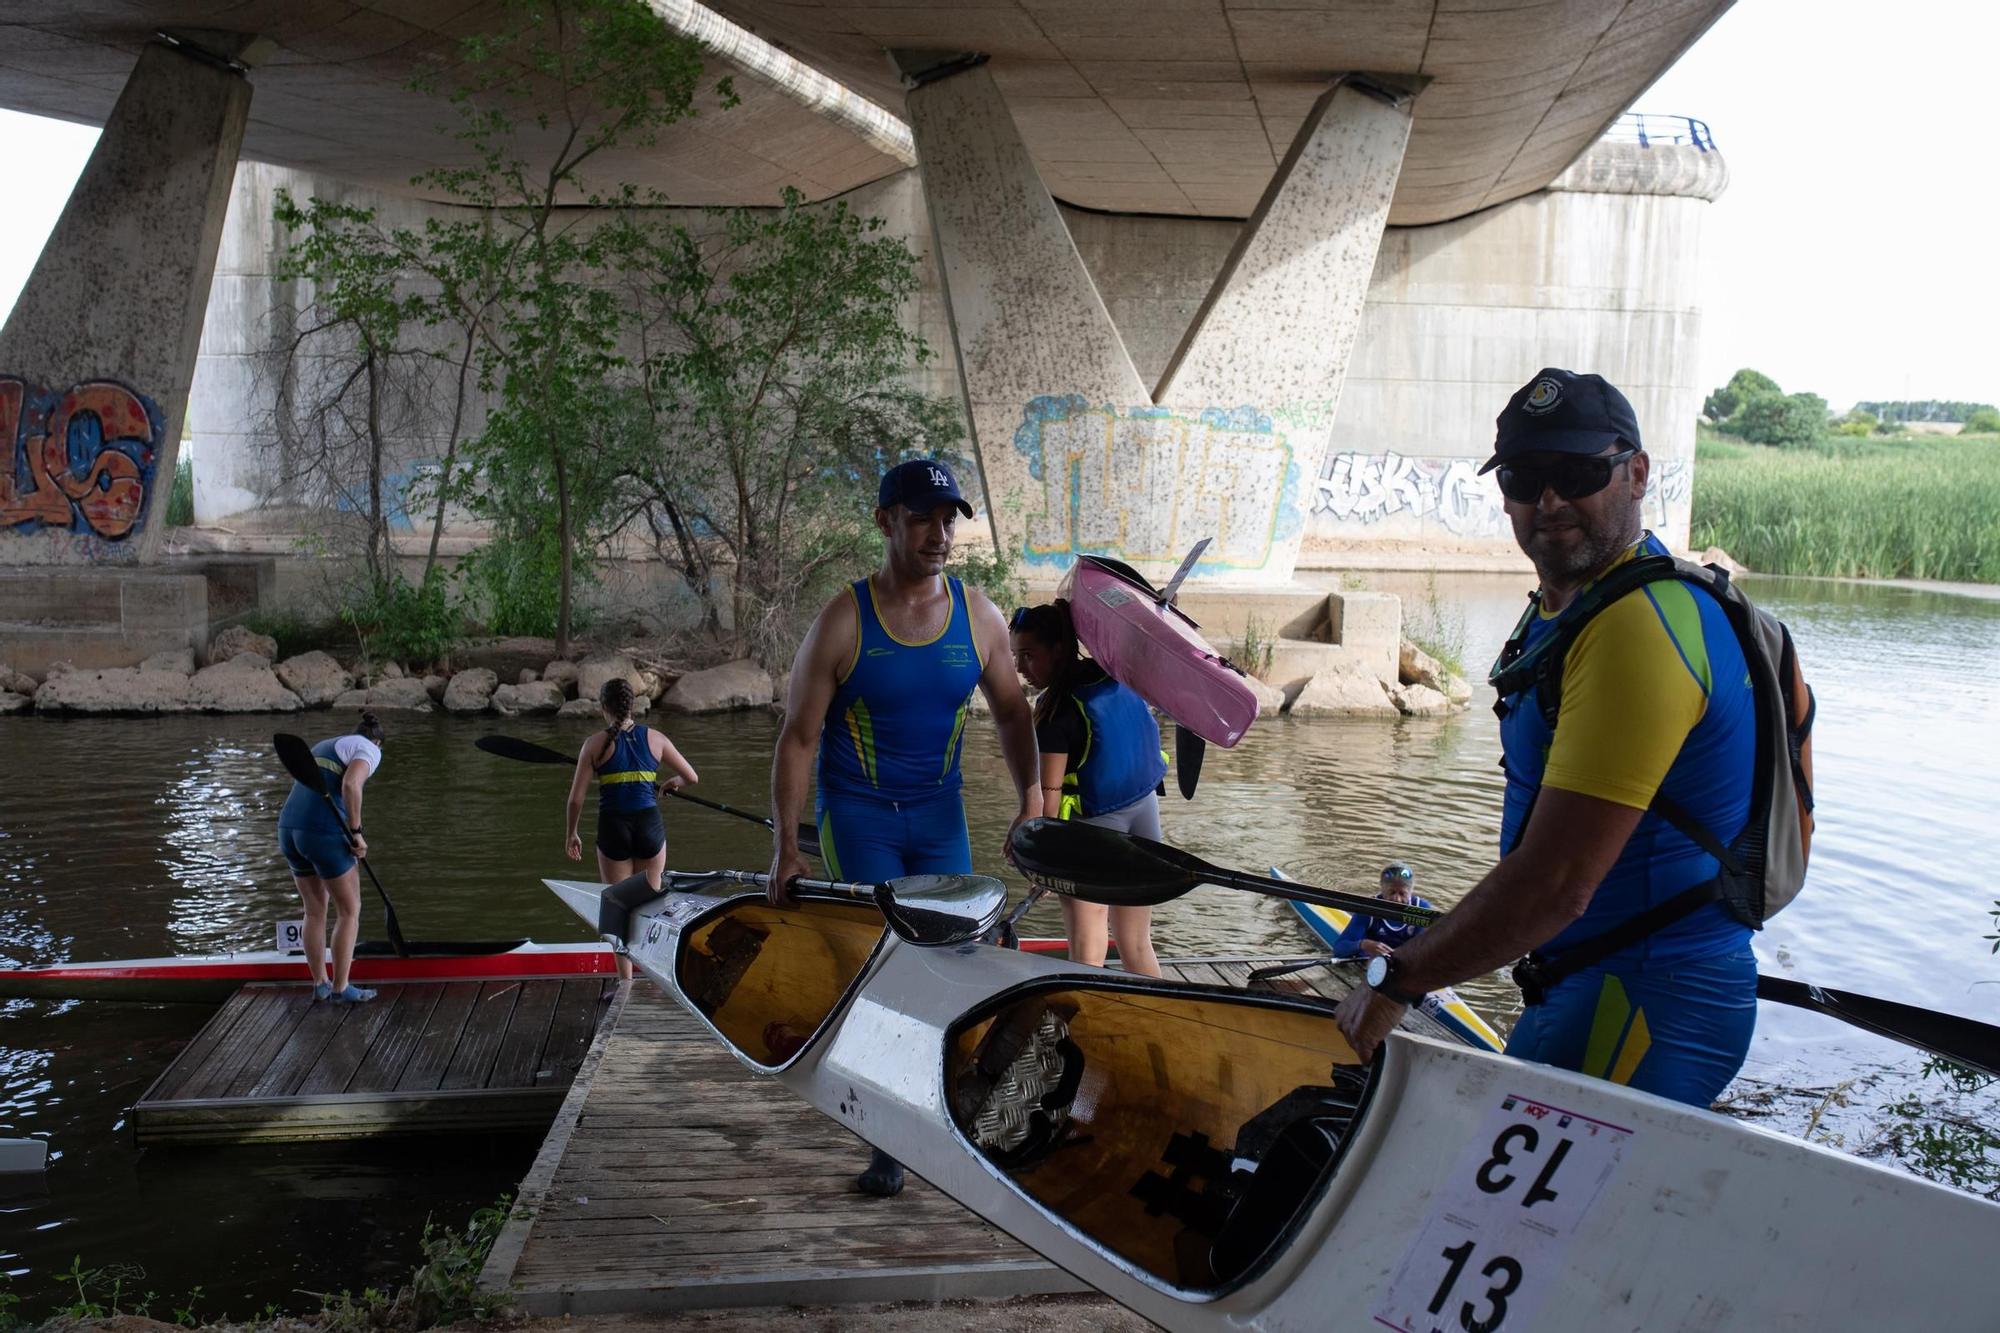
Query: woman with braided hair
(627,759)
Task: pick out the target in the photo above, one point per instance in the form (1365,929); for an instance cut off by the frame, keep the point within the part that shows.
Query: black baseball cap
(920,485)
(1559,412)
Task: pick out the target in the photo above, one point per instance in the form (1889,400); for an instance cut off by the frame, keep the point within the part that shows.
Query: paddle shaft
(302,764)
(509,747)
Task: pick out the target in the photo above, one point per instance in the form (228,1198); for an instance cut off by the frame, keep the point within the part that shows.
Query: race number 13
(1498,1227)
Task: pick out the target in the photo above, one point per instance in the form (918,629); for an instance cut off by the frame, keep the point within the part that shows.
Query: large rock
(236,639)
(119,690)
(177,660)
(593,671)
(244,683)
(1346,691)
(738,684)
(11,702)
(1414,666)
(1715,555)
(580,708)
(405,695)
(434,686)
(650,684)
(17,682)
(1458,690)
(1419,701)
(1270,699)
(470,691)
(562,674)
(536,697)
(315,677)
(505,658)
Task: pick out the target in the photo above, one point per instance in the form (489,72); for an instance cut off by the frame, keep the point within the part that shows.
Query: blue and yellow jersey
(625,779)
(1656,699)
(897,720)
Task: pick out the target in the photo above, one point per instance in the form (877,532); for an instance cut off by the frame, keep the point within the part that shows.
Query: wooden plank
(198,1051)
(515,1063)
(571,1029)
(442,1031)
(344,1116)
(342,1057)
(301,1050)
(275,1008)
(258,1057)
(383,1064)
(485,1028)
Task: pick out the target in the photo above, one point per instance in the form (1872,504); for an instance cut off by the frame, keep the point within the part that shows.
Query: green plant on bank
(180,500)
(1928,508)
(992,570)
(405,622)
(1436,625)
(1256,646)
(444,1289)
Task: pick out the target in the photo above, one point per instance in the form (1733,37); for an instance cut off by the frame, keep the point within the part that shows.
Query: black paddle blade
(507,747)
(1189,751)
(1965,1041)
(1095,864)
(297,757)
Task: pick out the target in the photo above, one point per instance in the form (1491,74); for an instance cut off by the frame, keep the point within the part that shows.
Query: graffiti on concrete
(1146,483)
(81,459)
(1368,488)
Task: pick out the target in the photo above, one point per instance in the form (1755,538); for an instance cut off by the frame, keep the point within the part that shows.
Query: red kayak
(212,978)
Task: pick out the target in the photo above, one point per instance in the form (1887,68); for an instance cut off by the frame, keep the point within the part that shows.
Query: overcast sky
(1856,253)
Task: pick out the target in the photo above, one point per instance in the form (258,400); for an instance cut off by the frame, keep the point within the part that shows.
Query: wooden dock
(421,1058)
(675,1179)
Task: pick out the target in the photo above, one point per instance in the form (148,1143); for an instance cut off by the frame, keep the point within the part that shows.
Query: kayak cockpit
(1184,1135)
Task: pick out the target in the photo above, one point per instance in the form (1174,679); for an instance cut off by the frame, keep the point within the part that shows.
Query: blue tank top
(304,809)
(1121,755)
(896,721)
(1710,779)
(625,779)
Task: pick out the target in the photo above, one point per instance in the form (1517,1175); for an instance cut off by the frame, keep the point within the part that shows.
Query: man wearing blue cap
(880,688)
(1630,753)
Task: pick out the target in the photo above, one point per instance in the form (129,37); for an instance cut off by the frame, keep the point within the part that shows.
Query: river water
(130,837)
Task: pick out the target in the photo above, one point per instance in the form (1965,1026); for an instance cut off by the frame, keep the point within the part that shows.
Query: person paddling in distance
(628,761)
(321,847)
(1644,977)
(1101,764)
(1378,937)
(880,690)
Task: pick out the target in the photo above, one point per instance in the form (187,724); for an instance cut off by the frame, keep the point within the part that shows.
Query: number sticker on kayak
(1113,596)
(1499,1225)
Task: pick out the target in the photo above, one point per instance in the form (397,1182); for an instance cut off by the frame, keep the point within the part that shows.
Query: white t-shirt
(350,748)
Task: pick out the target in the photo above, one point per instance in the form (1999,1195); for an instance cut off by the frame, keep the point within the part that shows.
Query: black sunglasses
(1571,478)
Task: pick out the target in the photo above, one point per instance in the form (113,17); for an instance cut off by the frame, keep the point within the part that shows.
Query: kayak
(1152,647)
(1443,1005)
(1220,1159)
(213,978)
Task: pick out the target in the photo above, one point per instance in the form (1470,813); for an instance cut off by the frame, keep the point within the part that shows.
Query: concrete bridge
(1213,267)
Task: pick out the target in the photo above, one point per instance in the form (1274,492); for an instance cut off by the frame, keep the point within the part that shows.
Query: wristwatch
(1381,974)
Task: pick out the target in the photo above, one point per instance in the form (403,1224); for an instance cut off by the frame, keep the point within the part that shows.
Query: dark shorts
(631,835)
(315,852)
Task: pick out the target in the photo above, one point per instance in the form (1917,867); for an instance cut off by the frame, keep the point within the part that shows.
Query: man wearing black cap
(881,687)
(1627,752)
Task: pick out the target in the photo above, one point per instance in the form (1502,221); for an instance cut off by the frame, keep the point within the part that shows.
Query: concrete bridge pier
(96,357)
(1077,455)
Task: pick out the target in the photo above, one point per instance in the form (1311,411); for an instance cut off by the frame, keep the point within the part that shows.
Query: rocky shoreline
(244,675)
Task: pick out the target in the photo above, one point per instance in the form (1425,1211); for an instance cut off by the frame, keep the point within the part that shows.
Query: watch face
(1378,971)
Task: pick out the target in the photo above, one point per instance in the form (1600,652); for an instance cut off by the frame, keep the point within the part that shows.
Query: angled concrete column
(1075,454)
(96,357)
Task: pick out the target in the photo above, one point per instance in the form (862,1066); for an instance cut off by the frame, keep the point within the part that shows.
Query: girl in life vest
(1101,763)
(627,760)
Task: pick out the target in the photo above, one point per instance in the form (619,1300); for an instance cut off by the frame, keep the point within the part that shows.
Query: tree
(1743,385)
(775,359)
(1782,419)
(1982,421)
(567,81)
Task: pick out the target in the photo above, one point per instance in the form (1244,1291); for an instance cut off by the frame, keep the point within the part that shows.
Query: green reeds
(1921,509)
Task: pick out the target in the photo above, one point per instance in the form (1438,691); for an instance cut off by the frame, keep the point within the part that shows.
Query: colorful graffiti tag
(82,459)
(1146,483)
(1369,488)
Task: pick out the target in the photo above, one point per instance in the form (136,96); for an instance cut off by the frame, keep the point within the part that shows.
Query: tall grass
(1860,508)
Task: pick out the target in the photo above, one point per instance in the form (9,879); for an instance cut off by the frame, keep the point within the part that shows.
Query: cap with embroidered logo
(1560,412)
(920,485)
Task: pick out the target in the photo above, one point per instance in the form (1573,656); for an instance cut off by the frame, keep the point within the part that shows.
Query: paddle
(298,759)
(508,747)
(1188,751)
(930,911)
(1119,869)
(1286,969)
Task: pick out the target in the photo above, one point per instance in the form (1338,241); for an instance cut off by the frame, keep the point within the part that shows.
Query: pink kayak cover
(1156,652)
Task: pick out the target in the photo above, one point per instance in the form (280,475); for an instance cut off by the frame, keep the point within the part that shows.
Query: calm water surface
(140,837)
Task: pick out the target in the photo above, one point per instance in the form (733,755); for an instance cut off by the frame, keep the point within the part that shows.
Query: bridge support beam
(97,355)
(1076,454)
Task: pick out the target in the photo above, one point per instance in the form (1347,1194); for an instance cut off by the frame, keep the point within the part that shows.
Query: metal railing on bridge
(1651,129)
